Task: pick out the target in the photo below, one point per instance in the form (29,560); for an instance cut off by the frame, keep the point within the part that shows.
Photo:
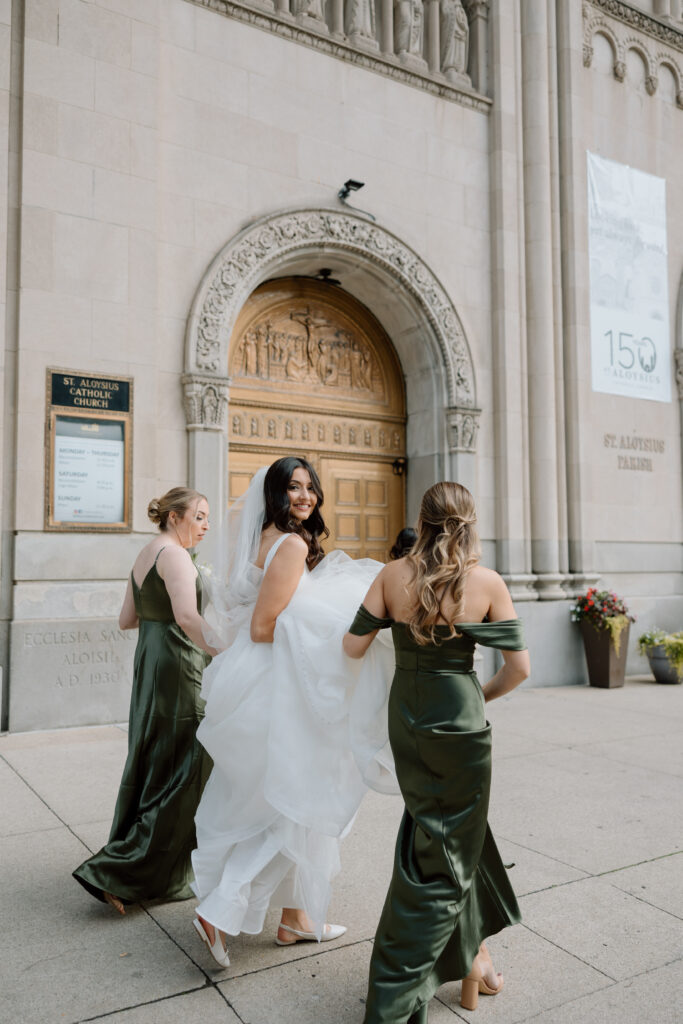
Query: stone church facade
(183,281)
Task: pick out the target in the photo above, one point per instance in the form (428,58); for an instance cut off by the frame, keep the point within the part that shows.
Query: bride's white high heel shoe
(217,950)
(330,931)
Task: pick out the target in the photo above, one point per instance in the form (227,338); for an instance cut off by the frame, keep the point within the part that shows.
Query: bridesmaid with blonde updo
(153,833)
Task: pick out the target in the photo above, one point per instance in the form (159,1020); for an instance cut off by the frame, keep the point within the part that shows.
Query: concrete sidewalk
(586,803)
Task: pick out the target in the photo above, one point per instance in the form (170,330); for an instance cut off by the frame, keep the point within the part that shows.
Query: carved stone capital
(206,401)
(463,427)
(678,364)
(476,8)
(265,246)
(651,83)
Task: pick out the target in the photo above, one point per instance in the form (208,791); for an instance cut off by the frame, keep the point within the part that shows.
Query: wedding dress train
(297,732)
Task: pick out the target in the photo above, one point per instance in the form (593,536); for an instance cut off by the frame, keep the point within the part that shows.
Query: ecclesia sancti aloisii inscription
(89,441)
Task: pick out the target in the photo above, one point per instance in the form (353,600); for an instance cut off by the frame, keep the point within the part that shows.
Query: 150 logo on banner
(630,350)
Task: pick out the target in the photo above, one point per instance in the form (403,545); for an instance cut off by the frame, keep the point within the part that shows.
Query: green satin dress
(449,889)
(153,834)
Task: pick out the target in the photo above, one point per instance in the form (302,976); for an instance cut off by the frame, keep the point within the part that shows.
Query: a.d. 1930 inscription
(70,672)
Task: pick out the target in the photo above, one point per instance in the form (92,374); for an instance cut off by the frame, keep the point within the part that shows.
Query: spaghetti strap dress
(153,833)
(449,889)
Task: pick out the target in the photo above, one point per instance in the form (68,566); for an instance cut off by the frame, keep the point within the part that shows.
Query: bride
(296,730)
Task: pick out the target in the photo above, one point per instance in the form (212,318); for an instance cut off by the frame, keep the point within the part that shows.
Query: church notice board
(89,445)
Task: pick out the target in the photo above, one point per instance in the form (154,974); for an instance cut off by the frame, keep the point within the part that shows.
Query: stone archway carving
(264,247)
(272,246)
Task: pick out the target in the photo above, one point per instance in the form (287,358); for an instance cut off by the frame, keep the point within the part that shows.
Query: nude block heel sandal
(469,995)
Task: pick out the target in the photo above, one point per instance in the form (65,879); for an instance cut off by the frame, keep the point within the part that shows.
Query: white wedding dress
(297,732)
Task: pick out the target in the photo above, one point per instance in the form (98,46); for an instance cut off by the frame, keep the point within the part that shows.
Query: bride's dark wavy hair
(276,497)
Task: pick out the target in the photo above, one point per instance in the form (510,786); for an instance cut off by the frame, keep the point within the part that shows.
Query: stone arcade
(170,186)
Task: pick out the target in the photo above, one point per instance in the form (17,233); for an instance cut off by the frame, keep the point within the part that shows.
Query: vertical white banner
(629,293)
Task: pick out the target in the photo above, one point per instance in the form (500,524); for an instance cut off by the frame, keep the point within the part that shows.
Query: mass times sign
(629,295)
(88,451)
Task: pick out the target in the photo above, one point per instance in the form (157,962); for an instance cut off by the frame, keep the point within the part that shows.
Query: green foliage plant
(671,642)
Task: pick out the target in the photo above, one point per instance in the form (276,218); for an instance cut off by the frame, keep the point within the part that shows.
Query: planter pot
(660,666)
(605,668)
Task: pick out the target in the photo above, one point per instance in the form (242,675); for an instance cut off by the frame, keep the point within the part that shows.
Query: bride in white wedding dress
(296,730)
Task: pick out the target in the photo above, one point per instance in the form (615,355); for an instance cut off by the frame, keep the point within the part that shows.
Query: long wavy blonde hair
(446,548)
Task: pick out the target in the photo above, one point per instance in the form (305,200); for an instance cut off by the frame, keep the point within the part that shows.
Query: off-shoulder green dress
(449,889)
(153,833)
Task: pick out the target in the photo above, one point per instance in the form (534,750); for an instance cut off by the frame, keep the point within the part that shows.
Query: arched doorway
(384,274)
(314,373)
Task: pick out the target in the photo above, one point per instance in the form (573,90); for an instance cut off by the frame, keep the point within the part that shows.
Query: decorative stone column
(206,408)
(432,32)
(386,43)
(540,318)
(337,26)
(663,9)
(478,14)
(575,286)
(507,312)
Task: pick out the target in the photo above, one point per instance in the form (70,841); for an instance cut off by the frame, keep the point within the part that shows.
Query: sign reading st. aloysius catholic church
(78,392)
(89,451)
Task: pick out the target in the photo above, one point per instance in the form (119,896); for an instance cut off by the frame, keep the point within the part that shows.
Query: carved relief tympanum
(313,372)
(306,347)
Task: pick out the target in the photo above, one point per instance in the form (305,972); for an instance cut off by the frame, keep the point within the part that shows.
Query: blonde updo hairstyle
(446,548)
(177,500)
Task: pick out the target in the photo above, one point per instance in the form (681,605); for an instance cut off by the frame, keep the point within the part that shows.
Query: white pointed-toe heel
(216,949)
(330,931)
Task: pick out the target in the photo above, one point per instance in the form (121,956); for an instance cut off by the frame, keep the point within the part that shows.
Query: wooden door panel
(364,523)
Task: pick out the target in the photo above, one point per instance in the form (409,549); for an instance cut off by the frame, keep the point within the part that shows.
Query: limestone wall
(152,132)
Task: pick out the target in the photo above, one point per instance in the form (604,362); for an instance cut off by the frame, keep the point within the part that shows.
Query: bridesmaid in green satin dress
(449,889)
(153,834)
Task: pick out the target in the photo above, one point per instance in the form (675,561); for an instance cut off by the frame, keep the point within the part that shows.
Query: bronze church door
(313,373)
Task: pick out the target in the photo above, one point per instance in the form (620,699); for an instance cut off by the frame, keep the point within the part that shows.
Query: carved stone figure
(467,432)
(360,20)
(209,406)
(408,26)
(304,431)
(236,426)
(250,354)
(310,9)
(454,34)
